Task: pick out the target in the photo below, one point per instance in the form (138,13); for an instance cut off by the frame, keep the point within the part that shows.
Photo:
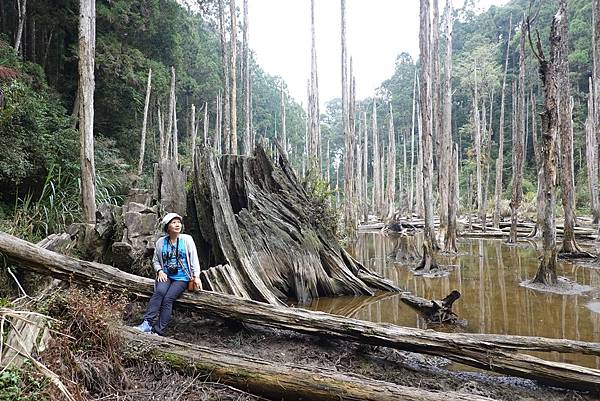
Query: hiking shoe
(153,333)
(145,327)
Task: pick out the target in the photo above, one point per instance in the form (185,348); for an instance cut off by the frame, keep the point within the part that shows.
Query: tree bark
(275,380)
(346,130)
(591,154)
(248,143)
(391,165)
(144,124)
(430,243)
(446,171)
(284,142)
(376,196)
(450,239)
(411,203)
(549,71)
(518,139)
(225,131)
(313,109)
(205,124)
(484,351)
(537,231)
(596,92)
(365,204)
(569,244)
(87,49)
(22,13)
(233,79)
(477,147)
(256,217)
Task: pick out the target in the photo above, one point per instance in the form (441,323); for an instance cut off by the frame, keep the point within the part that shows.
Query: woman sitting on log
(176,264)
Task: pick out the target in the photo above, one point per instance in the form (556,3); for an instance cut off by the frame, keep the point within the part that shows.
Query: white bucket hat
(167,219)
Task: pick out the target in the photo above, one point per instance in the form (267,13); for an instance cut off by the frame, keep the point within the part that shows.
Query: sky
(377,31)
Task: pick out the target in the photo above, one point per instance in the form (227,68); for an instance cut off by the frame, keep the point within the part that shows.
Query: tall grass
(52,209)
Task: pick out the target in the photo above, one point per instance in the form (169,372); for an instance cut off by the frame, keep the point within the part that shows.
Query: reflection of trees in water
(405,248)
(492,300)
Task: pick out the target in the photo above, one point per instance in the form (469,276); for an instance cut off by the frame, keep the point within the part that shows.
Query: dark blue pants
(162,301)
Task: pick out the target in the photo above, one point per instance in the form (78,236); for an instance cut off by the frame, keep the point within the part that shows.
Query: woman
(176,263)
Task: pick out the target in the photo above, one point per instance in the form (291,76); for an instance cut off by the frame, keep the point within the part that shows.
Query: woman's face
(174,227)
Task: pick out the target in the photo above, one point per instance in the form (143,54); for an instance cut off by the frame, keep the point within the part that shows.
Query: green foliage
(21,385)
(35,133)
(322,213)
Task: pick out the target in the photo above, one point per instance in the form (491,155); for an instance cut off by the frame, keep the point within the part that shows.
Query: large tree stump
(255,216)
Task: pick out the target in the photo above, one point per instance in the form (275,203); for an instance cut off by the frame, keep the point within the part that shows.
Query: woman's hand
(161,277)
(198,282)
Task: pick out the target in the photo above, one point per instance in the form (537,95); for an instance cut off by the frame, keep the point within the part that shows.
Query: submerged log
(256,217)
(274,380)
(434,311)
(484,351)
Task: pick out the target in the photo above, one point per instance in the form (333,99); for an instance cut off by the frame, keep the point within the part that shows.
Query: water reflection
(488,277)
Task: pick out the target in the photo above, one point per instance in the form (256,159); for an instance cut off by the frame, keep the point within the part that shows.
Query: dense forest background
(39,157)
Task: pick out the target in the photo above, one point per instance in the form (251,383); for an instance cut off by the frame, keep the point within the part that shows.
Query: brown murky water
(487,274)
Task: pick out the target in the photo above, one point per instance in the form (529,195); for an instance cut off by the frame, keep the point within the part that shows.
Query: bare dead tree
(569,244)
(144,124)
(591,148)
(233,77)
(376,196)
(22,13)
(430,243)
(248,144)
(548,71)
(500,159)
(391,168)
(313,101)
(446,171)
(225,131)
(87,50)
(518,142)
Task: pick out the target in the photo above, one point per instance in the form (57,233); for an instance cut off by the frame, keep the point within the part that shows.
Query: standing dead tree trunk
(391,165)
(144,124)
(87,50)
(445,170)
(450,238)
(225,100)
(518,142)
(205,122)
(591,148)
(347,133)
(430,243)
(365,203)
(22,12)
(411,206)
(569,244)
(477,146)
(500,159)
(549,70)
(248,143)
(537,230)
(284,143)
(313,101)
(596,94)
(375,205)
(233,78)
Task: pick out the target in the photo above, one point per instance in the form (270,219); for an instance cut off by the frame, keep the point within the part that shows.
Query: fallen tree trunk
(435,311)
(489,352)
(274,380)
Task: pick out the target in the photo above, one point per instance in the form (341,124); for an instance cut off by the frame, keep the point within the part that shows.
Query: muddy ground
(286,347)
